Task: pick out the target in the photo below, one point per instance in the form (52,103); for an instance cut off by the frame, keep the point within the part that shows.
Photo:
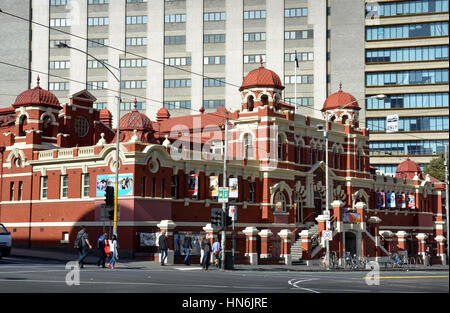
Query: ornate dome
(340,99)
(105,114)
(163,114)
(261,77)
(37,96)
(135,120)
(408,169)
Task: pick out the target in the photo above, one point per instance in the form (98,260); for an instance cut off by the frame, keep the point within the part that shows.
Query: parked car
(5,241)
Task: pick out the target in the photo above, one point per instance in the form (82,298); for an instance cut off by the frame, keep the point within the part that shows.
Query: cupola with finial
(261,87)
(341,107)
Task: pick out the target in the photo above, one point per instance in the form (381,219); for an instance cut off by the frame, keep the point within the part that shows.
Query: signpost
(392,123)
(223,195)
(327,235)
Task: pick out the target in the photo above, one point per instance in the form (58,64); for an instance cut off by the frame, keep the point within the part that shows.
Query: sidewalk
(62,256)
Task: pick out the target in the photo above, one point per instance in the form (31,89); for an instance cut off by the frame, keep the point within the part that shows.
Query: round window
(81,126)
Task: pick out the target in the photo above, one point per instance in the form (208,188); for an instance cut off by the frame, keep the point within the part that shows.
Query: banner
(125,184)
(390,198)
(350,217)
(149,239)
(381,200)
(192,185)
(411,202)
(403,201)
(179,243)
(213,186)
(234,187)
(392,123)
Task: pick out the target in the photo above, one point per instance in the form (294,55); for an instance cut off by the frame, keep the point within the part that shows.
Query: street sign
(223,195)
(328,224)
(233,212)
(327,235)
(326,215)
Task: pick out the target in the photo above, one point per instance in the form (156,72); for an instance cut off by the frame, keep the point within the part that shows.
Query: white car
(5,241)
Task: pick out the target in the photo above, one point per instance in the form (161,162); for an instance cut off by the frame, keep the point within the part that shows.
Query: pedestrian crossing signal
(216,219)
(109,196)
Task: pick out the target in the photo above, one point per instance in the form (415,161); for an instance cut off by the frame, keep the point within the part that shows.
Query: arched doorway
(350,243)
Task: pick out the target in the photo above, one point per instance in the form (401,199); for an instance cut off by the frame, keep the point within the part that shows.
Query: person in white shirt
(114,255)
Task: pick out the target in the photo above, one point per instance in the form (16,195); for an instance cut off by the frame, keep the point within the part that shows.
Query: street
(32,275)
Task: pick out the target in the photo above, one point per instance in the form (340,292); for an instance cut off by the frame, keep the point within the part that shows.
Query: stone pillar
(167,226)
(211,234)
(285,235)
(441,249)
(251,244)
(360,206)
(306,244)
(321,223)
(337,212)
(402,238)
(375,221)
(387,235)
(265,234)
(422,237)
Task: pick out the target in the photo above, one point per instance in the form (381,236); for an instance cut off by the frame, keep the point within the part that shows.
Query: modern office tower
(407,60)
(14,49)
(184,54)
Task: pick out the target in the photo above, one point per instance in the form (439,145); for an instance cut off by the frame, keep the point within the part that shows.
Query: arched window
(311,155)
(280,202)
(250,103)
(299,153)
(344,119)
(337,159)
(46,127)
(22,123)
(280,148)
(359,160)
(248,146)
(265,100)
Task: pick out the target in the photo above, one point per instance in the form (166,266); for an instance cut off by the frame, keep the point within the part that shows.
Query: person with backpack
(101,242)
(114,254)
(83,245)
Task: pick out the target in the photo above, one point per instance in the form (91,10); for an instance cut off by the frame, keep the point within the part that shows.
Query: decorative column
(337,212)
(285,235)
(321,223)
(375,221)
(387,236)
(360,206)
(402,238)
(265,234)
(251,244)
(167,226)
(441,249)
(422,237)
(306,244)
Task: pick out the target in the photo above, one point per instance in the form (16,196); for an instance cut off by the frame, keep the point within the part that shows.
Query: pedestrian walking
(187,245)
(206,246)
(83,245)
(101,242)
(163,246)
(428,256)
(113,251)
(216,251)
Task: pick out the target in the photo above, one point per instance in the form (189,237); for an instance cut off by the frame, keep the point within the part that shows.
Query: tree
(436,168)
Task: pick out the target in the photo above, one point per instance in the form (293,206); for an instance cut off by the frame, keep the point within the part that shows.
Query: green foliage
(436,168)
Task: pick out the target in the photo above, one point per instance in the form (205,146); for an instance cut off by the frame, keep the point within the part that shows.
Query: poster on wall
(381,200)
(411,202)
(403,201)
(125,184)
(178,239)
(234,188)
(350,217)
(213,186)
(391,200)
(192,185)
(149,239)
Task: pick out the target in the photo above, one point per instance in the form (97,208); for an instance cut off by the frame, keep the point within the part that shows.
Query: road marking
(394,277)
(188,268)
(291,282)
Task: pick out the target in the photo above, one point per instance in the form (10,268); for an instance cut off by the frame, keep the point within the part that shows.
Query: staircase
(296,248)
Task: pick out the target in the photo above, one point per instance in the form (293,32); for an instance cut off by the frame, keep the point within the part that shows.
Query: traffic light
(216,218)
(111,215)
(229,221)
(109,196)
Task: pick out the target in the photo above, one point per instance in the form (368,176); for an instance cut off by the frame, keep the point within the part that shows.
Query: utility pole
(224,204)
(116,195)
(446,196)
(327,194)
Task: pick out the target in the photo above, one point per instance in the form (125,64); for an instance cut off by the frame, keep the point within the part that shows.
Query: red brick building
(57,158)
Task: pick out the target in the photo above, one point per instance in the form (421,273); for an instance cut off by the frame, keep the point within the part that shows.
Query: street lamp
(107,66)
(327,195)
